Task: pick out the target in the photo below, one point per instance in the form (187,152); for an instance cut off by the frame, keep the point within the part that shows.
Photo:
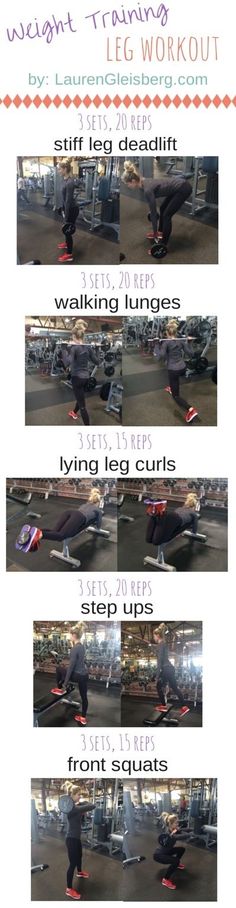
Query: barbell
(178,337)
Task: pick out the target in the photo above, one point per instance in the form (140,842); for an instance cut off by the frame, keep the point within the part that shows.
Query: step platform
(157,717)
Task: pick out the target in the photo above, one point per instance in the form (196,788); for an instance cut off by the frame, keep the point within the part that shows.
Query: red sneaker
(73,414)
(73,894)
(181,867)
(191,414)
(168,883)
(161,708)
(65,258)
(36,541)
(152,236)
(62,246)
(168,388)
(184,710)
(84,874)
(81,720)
(58,691)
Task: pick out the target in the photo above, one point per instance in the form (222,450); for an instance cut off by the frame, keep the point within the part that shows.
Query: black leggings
(81,680)
(70,523)
(174,857)
(174,378)
(169,207)
(168,676)
(78,385)
(74,849)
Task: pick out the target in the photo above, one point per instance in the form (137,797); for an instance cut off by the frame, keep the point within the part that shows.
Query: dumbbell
(68,229)
(159,250)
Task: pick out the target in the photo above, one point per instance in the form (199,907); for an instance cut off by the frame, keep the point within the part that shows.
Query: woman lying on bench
(69,524)
(165,525)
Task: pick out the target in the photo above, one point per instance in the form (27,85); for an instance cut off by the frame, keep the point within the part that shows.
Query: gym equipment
(201,364)
(109,371)
(129,818)
(91,383)
(200,170)
(100,205)
(68,229)
(211,829)
(105,390)
(51,699)
(159,250)
(65,554)
(157,717)
(65,803)
(114,400)
(37,867)
(124,517)
(121,840)
(22,501)
(19,499)
(159,562)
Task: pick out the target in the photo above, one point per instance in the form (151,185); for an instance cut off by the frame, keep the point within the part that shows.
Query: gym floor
(183,554)
(39,232)
(135,709)
(194,241)
(142,882)
(146,403)
(104,705)
(104,883)
(47,401)
(95,552)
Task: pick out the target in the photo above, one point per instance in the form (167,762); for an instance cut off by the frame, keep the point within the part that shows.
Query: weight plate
(105,390)
(201,365)
(91,383)
(158,250)
(109,371)
(65,803)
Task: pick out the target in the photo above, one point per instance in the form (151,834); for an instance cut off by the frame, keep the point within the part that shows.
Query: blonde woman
(70,522)
(173,351)
(174,190)
(71,211)
(78,357)
(169,853)
(76,672)
(188,513)
(166,672)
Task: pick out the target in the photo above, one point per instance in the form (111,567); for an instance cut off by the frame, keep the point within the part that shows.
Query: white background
(31,451)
